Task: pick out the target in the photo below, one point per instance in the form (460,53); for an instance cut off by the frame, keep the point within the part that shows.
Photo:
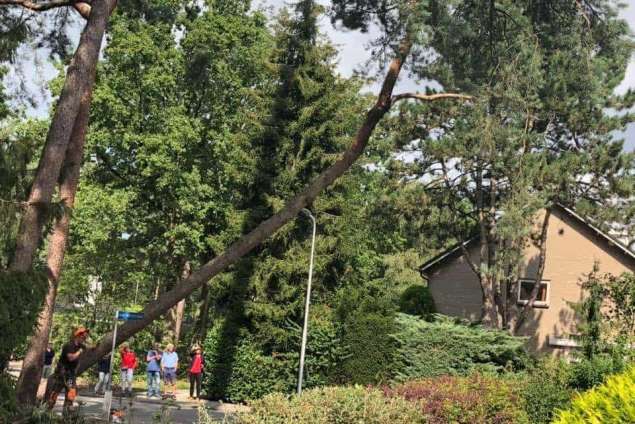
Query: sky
(35,70)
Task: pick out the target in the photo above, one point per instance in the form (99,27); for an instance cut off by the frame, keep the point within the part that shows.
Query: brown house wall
(572,249)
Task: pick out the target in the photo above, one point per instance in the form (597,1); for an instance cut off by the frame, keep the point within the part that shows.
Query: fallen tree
(240,248)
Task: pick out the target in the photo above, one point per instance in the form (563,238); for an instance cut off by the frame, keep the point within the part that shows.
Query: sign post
(124,316)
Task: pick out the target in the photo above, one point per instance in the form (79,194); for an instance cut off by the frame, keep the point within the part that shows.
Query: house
(573,246)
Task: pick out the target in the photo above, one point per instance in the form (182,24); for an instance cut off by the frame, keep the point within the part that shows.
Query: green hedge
(444,346)
(612,402)
(367,337)
(238,369)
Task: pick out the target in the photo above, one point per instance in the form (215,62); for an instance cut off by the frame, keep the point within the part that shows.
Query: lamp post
(306,306)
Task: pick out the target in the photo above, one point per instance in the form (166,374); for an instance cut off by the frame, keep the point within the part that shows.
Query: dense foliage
(611,402)
(445,346)
(417,300)
(476,399)
(331,405)
(21,296)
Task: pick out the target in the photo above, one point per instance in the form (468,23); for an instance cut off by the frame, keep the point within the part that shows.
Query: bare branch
(430,97)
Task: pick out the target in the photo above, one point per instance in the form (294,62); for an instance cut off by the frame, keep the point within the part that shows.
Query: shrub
(370,346)
(476,399)
(417,300)
(612,402)
(243,371)
(591,372)
(545,389)
(332,405)
(235,369)
(8,406)
(427,349)
(255,375)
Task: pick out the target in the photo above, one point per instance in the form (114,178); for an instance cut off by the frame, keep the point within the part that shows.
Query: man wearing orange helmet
(64,376)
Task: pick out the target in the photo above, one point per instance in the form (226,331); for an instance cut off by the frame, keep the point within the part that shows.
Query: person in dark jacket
(195,370)
(64,376)
(103,366)
(49,354)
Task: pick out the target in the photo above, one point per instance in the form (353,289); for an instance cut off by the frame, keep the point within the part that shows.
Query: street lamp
(306,306)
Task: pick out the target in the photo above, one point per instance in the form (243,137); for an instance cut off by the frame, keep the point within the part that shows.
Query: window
(524,291)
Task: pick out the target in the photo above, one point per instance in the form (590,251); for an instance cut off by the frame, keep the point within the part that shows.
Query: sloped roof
(456,249)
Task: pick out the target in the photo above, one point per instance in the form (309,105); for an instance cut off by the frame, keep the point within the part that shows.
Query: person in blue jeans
(169,366)
(153,358)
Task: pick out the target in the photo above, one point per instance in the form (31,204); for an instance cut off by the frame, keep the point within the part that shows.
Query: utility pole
(306,306)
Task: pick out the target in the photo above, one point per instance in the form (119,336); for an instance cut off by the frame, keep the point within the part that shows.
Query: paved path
(141,410)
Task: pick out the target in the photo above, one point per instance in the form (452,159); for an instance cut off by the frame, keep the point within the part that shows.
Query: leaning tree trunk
(31,373)
(79,75)
(266,228)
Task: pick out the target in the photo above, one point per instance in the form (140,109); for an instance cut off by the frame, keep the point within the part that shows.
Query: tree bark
(522,315)
(31,373)
(266,228)
(204,314)
(80,75)
(177,312)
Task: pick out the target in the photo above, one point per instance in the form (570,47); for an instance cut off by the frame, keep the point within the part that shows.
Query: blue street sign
(129,316)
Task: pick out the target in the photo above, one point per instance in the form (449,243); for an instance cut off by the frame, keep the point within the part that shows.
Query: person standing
(169,365)
(195,370)
(49,354)
(64,377)
(153,358)
(103,366)
(128,365)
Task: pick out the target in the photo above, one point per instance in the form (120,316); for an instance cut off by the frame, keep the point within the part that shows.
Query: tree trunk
(522,315)
(80,75)
(489,313)
(204,314)
(266,228)
(31,373)
(177,312)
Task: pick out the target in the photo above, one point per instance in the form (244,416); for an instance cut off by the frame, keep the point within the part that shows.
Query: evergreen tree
(536,134)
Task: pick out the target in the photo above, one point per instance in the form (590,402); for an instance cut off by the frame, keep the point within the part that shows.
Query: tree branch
(430,97)
(245,244)
(83,8)
(539,274)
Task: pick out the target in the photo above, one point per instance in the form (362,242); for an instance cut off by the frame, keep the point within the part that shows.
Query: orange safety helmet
(80,331)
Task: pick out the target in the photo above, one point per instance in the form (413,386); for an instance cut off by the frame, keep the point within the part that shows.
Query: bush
(224,348)
(255,375)
(331,405)
(476,399)
(21,297)
(8,405)
(428,349)
(367,337)
(417,300)
(612,402)
(591,372)
(546,389)
(244,371)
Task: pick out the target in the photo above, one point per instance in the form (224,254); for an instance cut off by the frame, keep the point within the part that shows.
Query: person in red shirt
(195,370)
(128,365)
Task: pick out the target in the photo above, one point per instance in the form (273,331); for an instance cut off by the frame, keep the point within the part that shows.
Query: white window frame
(537,303)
